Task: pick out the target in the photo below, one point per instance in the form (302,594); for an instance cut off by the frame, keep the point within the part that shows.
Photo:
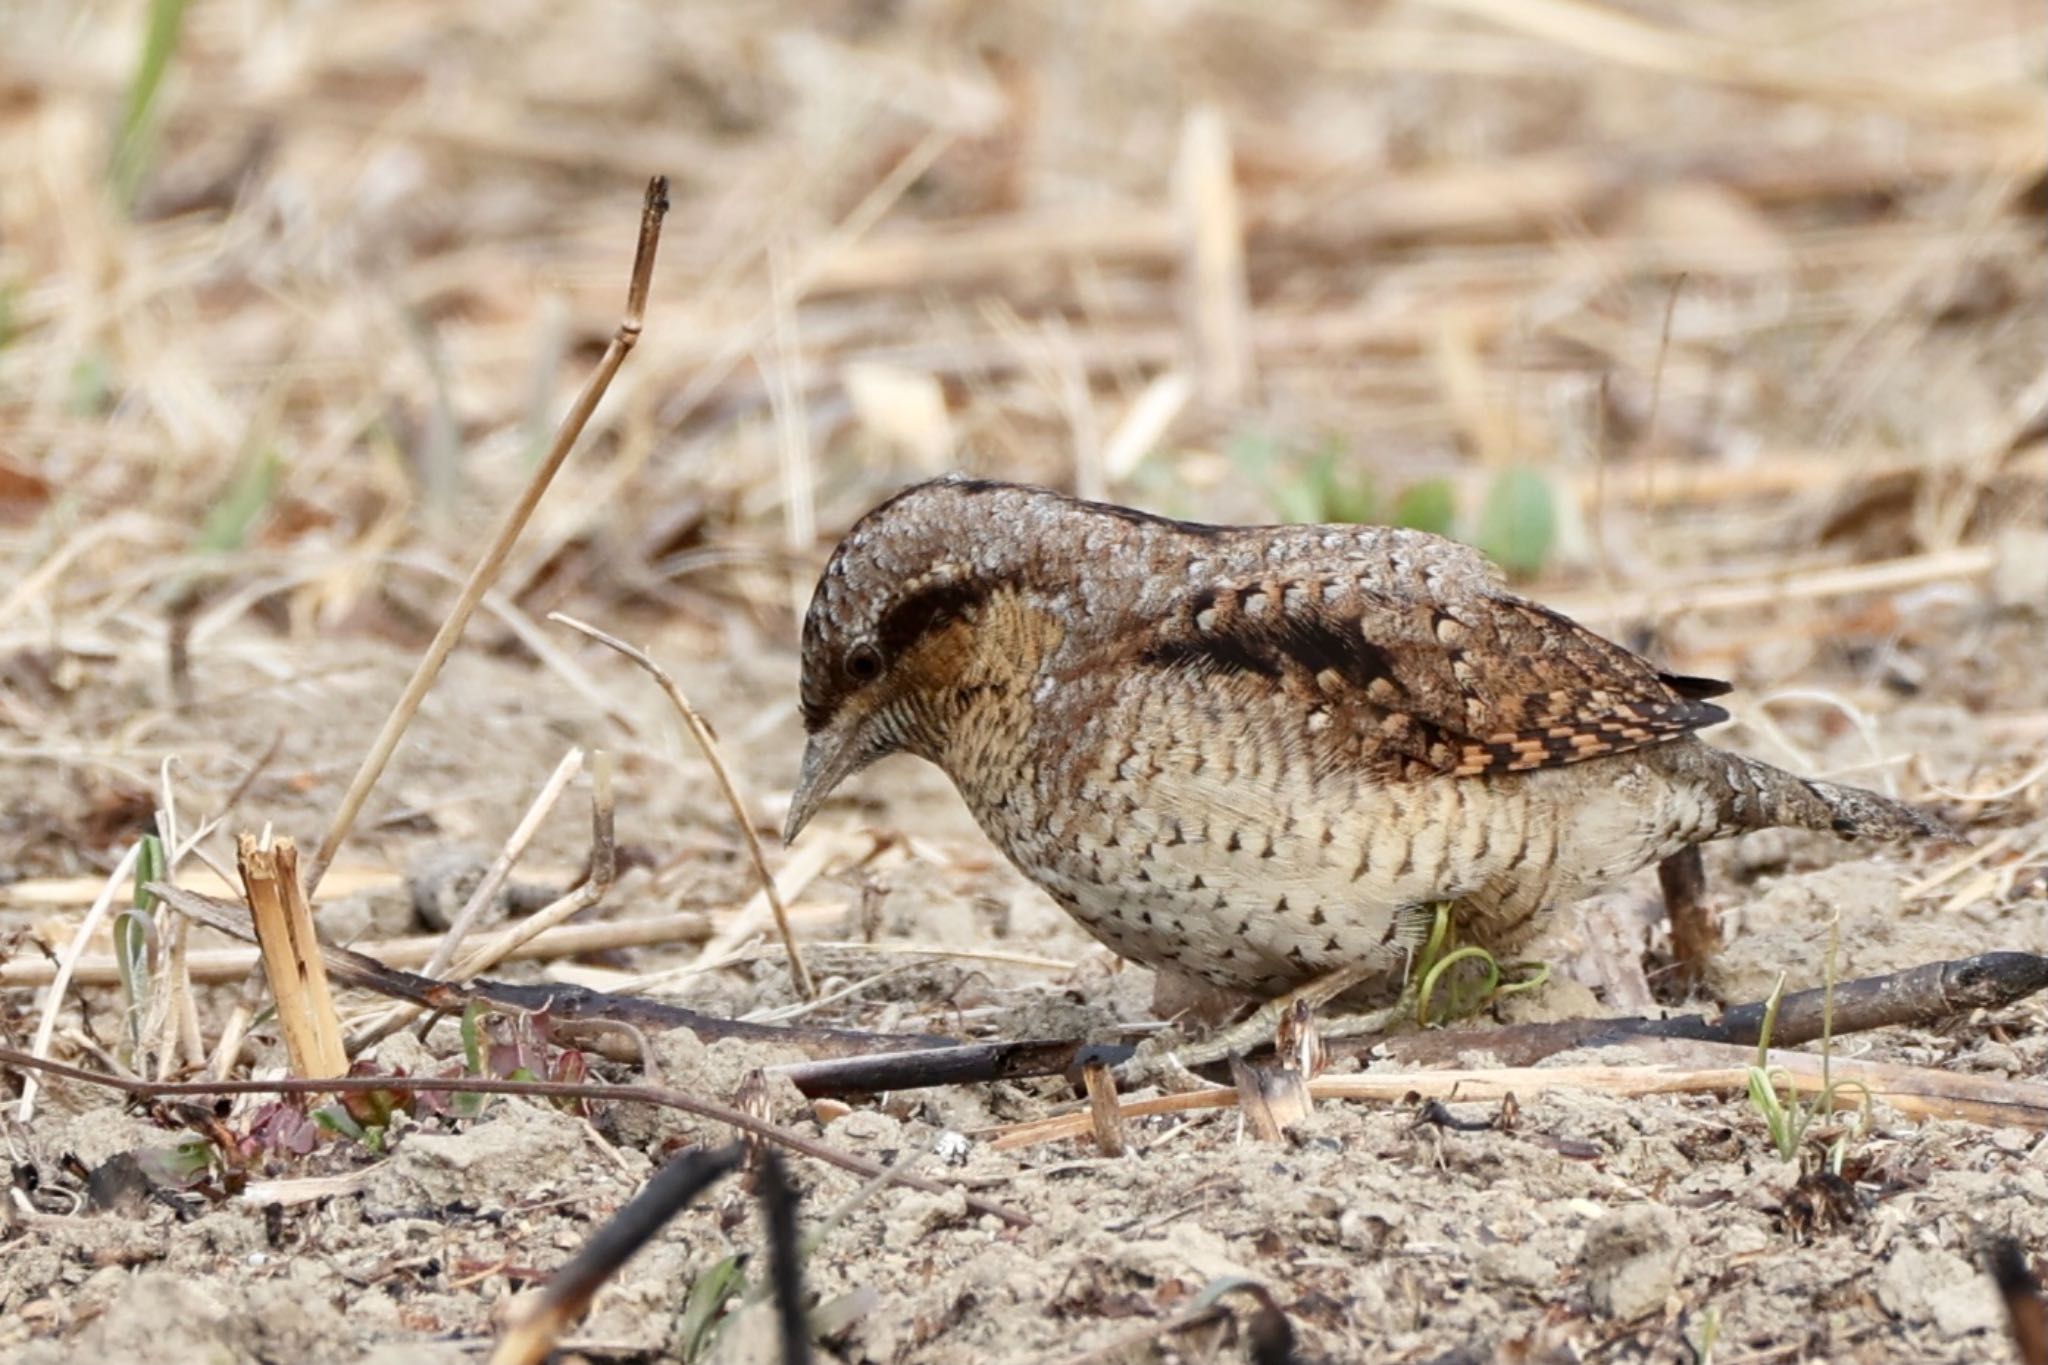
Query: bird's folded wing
(1462,680)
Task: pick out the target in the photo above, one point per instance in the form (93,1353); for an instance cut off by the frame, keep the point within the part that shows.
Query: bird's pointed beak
(830,757)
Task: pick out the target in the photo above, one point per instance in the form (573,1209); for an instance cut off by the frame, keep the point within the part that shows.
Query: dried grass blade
(487,569)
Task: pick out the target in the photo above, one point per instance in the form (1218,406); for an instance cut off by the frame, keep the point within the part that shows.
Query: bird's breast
(1251,867)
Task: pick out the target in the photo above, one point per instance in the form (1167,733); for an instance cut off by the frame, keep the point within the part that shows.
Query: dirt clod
(525,1153)
(1632,1261)
(1933,1285)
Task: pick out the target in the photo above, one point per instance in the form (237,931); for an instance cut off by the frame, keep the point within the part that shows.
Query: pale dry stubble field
(1726,324)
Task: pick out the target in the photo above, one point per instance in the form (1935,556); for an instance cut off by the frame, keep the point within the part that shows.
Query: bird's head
(923,614)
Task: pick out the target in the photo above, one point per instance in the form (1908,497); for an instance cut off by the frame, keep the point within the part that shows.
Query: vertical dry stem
(1218,300)
(1103,1108)
(291,957)
(493,560)
(799,974)
(46,1027)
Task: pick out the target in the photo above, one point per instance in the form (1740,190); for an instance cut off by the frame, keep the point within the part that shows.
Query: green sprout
(705,1302)
(1518,524)
(134,932)
(1439,955)
(135,141)
(1431,505)
(1787,1117)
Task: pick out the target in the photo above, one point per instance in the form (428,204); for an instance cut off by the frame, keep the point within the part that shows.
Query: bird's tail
(1757,796)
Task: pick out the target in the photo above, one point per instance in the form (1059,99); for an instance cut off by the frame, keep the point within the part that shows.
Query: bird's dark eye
(864,664)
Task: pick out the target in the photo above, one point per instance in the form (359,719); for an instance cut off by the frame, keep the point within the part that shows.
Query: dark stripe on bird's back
(1313,643)
(1201,530)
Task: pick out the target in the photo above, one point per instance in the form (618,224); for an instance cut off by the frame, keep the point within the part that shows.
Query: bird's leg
(1694,934)
(1167,1057)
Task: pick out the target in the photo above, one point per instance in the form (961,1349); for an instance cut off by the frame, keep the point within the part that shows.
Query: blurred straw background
(1639,299)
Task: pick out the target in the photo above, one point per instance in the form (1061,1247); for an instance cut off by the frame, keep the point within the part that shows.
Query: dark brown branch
(956,1064)
(1916,996)
(2026,1313)
(564,1002)
(785,1259)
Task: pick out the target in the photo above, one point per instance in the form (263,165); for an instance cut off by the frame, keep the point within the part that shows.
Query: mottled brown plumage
(1250,754)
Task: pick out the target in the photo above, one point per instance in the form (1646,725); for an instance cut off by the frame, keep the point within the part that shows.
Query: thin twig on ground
(501,866)
(1918,996)
(604,865)
(564,1003)
(215,965)
(53,1002)
(707,743)
(1677,1067)
(1915,997)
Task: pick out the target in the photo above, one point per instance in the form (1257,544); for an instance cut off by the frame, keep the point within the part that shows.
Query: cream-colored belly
(1262,881)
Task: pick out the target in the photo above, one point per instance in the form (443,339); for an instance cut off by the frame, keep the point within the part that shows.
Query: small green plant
(1466,992)
(1518,524)
(134,938)
(1708,1336)
(716,1297)
(1787,1117)
(469,1106)
(1331,489)
(135,140)
(514,1047)
(704,1305)
(1431,505)
(181,1166)
(365,1116)
(242,503)
(1326,485)
(89,388)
